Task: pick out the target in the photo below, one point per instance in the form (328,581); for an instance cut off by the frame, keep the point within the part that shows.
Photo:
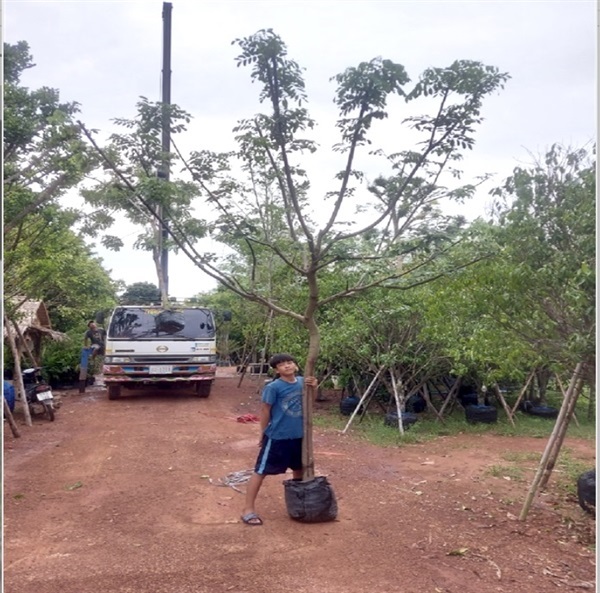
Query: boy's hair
(279,358)
(90,322)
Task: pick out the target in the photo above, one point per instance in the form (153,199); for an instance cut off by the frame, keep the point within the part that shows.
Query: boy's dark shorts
(276,456)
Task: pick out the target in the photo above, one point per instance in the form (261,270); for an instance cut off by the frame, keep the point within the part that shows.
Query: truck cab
(151,345)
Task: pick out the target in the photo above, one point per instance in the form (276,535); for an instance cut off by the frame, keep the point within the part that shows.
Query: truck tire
(203,388)
(114,391)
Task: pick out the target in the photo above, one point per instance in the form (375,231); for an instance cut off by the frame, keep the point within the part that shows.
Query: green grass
(520,457)
(568,469)
(372,426)
(506,471)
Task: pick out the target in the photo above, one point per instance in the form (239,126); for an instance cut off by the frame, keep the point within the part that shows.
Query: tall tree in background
(44,158)
(140,293)
(138,153)
(532,305)
(269,215)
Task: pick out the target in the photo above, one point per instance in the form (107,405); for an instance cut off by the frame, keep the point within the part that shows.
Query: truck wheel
(203,388)
(114,391)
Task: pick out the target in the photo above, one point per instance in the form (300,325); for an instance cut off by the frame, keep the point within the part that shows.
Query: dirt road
(124,497)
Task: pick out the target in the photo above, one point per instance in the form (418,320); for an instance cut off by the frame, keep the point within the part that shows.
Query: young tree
(269,217)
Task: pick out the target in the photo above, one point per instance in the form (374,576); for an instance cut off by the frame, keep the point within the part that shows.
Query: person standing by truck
(94,338)
(92,354)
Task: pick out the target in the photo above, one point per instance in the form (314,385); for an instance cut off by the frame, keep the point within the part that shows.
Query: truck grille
(180,359)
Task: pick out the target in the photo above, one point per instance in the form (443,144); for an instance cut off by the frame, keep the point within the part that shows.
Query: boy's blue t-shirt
(285,400)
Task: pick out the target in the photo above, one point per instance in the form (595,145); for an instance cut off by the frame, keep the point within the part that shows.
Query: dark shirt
(96,337)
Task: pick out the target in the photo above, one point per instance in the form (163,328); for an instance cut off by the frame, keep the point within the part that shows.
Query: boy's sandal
(252,519)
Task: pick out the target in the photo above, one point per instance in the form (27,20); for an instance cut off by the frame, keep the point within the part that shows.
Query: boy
(281,430)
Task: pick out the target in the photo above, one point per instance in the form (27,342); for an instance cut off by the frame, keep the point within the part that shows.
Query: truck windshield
(148,323)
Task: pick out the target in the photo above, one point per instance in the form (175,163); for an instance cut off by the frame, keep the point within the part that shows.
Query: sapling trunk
(308,397)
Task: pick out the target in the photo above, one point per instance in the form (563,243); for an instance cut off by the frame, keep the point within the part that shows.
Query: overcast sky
(106,54)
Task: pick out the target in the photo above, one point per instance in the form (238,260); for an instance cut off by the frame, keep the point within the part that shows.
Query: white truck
(150,345)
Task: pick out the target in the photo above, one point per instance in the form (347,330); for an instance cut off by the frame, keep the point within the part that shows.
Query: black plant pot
(310,501)
(408,419)
(349,404)
(483,414)
(586,491)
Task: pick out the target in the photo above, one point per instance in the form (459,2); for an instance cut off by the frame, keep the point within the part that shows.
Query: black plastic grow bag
(310,501)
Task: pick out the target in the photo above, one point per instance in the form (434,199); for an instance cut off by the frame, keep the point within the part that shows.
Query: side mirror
(227,315)
(99,317)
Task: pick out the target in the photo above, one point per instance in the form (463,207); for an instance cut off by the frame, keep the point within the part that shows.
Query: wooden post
(18,376)
(10,419)
(562,418)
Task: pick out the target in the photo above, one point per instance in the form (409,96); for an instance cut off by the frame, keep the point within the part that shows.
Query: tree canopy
(44,158)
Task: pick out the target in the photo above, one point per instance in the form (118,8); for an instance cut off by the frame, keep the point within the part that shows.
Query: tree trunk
(543,377)
(308,396)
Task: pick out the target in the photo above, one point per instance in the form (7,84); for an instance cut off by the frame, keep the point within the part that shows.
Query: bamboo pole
(362,399)
(32,358)
(562,391)
(561,436)
(504,404)
(562,417)
(451,396)
(531,376)
(18,376)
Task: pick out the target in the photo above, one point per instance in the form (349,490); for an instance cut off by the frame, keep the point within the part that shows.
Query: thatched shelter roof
(32,317)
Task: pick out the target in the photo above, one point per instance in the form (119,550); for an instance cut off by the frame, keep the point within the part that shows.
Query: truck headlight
(118,359)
